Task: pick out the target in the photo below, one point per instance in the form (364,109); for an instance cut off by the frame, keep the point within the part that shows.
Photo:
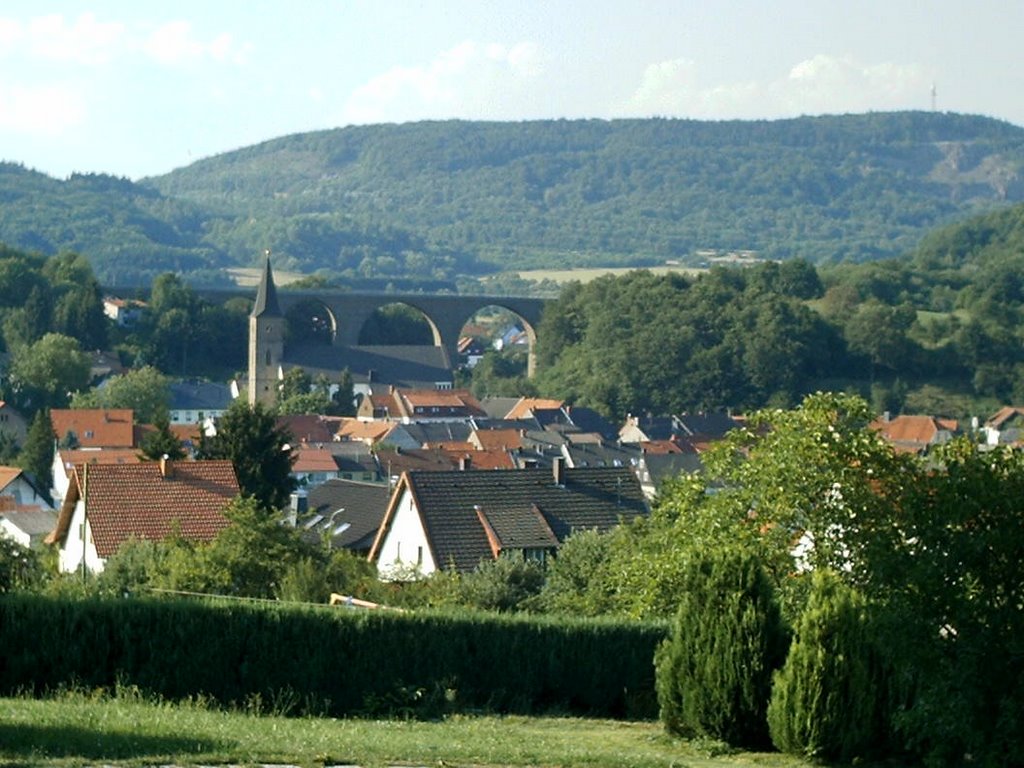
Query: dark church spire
(266,297)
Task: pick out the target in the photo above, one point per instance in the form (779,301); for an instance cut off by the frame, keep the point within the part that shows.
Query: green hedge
(338,660)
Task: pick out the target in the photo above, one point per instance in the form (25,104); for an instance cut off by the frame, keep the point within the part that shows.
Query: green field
(585,275)
(127,730)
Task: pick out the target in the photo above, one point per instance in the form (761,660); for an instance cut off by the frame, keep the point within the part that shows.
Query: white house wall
(405,549)
(72,548)
(13,532)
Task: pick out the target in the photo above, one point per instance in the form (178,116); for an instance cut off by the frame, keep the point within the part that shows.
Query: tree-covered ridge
(434,200)
(634,192)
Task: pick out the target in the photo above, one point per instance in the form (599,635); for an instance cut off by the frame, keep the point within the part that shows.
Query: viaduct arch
(446,313)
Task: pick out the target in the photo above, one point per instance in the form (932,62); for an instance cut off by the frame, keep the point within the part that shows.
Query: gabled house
(313,465)
(915,434)
(93,427)
(366,432)
(13,423)
(345,513)
(439,520)
(28,525)
(198,402)
(21,488)
(409,405)
(1006,427)
(66,459)
(124,312)
(108,504)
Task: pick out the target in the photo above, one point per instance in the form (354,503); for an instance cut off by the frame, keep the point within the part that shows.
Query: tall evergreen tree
(258,450)
(714,671)
(828,700)
(162,442)
(37,454)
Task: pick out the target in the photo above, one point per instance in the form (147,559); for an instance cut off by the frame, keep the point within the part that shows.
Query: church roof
(266,296)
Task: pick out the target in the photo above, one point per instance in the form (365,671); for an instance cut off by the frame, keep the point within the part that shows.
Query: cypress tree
(713,673)
(37,453)
(828,700)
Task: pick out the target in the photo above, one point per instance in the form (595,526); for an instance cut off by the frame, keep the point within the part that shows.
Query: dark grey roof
(603,455)
(712,425)
(590,498)
(266,295)
(403,365)
(589,420)
(424,432)
(34,522)
(497,407)
(199,396)
(657,427)
(663,465)
(520,529)
(336,502)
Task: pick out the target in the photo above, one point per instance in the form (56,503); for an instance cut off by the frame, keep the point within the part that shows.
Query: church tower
(266,341)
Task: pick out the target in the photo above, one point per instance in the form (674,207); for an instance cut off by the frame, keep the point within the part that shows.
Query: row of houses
(418,481)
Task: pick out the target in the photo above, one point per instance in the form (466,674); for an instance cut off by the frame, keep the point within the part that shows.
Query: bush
(713,674)
(828,701)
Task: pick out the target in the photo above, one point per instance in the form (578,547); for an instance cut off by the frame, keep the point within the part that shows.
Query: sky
(137,89)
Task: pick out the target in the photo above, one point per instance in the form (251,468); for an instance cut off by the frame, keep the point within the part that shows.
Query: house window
(537,555)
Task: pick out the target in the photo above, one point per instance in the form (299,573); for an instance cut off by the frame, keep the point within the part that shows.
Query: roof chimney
(558,470)
(465,462)
(298,505)
(166,467)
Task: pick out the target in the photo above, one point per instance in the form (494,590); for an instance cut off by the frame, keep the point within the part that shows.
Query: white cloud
(819,85)
(11,32)
(175,43)
(54,38)
(470,80)
(48,110)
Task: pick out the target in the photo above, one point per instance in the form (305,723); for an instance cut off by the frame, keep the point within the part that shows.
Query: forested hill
(434,200)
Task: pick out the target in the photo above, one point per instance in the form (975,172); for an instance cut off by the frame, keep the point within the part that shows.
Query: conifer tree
(162,442)
(713,673)
(37,453)
(828,700)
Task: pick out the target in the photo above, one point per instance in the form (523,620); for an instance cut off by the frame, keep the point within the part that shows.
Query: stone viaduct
(347,312)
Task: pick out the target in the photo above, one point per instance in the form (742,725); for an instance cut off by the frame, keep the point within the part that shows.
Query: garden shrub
(713,673)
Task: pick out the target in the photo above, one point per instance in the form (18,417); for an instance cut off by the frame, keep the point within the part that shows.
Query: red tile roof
(136,500)
(1004,415)
(912,430)
(95,427)
(503,439)
(310,459)
(527,405)
(72,457)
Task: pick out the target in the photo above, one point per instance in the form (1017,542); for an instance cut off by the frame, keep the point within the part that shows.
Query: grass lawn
(78,729)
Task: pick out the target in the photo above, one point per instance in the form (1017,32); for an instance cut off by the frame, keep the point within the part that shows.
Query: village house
(26,514)
(108,504)
(93,427)
(198,402)
(1006,427)
(12,423)
(344,514)
(409,405)
(914,434)
(458,519)
(124,312)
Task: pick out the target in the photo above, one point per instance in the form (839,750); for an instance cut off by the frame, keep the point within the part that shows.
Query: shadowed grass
(78,729)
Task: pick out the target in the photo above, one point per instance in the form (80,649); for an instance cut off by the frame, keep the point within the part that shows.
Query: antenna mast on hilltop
(934,95)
